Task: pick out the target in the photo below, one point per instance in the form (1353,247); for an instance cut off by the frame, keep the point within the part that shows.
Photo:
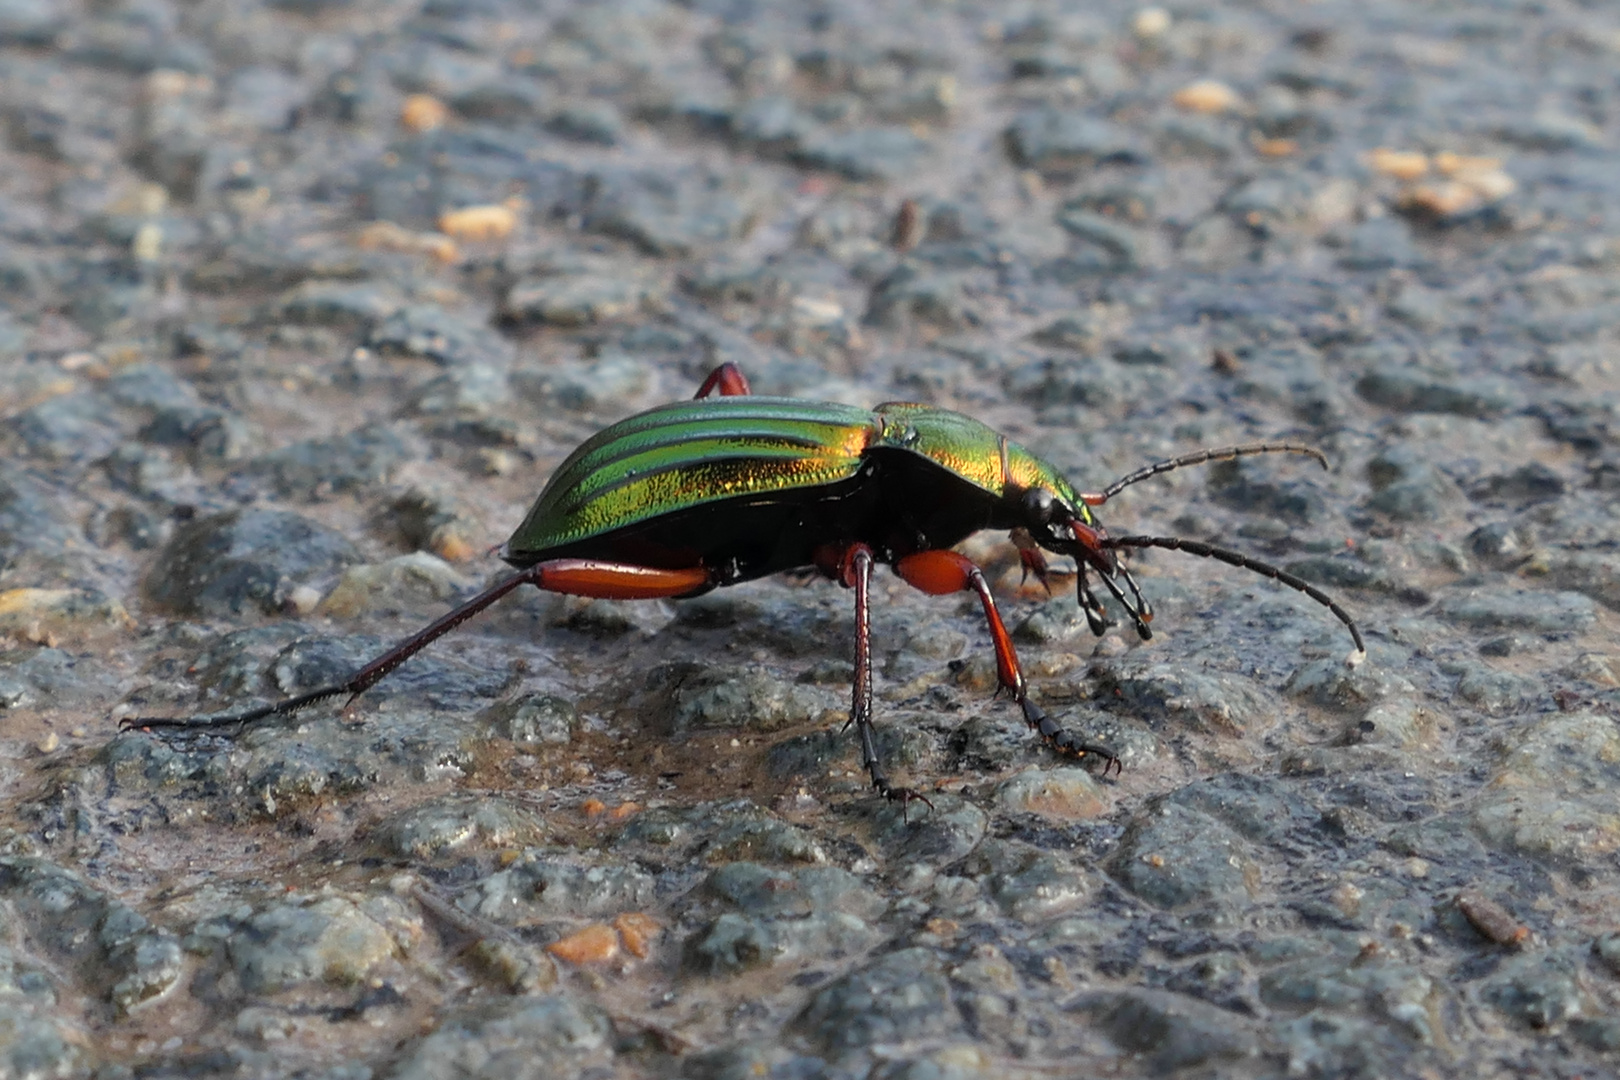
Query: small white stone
(1150,23)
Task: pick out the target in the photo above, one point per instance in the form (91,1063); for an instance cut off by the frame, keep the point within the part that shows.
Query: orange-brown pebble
(490,222)
(1491,184)
(423,112)
(625,810)
(1206,96)
(1445,199)
(592,945)
(593,807)
(1401,164)
(167,82)
(451,546)
(1150,23)
(45,616)
(508,857)
(1276,147)
(1064,793)
(1470,183)
(1449,164)
(908,226)
(637,931)
(1490,918)
(386,236)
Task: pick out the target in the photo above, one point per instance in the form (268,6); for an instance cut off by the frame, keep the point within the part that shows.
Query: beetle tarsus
(946,571)
(904,796)
(880,780)
(279,708)
(1064,743)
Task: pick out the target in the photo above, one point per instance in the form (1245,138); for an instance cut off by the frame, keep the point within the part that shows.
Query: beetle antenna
(1199,457)
(1234,558)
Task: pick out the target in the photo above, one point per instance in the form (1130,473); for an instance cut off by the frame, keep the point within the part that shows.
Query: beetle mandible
(729,487)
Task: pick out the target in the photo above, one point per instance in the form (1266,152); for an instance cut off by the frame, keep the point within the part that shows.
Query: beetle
(730,486)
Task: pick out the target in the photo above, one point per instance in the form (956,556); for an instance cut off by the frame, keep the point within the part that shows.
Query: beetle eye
(1038,504)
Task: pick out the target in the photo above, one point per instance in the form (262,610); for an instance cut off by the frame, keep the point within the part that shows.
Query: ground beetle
(694,495)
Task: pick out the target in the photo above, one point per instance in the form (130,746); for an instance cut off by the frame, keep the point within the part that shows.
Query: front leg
(943,572)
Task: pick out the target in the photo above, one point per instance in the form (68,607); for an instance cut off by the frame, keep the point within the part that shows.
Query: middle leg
(852,567)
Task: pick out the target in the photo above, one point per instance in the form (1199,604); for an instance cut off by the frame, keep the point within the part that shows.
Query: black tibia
(362,680)
(858,574)
(1067,744)
(1011,675)
(1238,559)
(280,708)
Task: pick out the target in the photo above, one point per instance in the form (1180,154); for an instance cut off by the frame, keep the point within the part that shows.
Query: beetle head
(1060,521)
(1059,518)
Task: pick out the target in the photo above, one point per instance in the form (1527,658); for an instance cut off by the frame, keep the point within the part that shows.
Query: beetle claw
(905,797)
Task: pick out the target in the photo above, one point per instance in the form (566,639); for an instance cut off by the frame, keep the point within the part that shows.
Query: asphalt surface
(301,302)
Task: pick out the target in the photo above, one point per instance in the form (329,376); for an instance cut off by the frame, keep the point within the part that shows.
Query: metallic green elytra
(679,457)
(690,453)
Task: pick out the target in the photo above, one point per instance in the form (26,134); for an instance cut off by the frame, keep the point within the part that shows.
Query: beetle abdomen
(664,462)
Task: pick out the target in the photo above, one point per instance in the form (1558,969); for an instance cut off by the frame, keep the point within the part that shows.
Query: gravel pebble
(331,938)
(547,1035)
(1173,856)
(1173,1032)
(901,997)
(1541,802)
(240,559)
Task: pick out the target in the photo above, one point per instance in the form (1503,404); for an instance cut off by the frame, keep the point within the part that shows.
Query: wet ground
(304,300)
